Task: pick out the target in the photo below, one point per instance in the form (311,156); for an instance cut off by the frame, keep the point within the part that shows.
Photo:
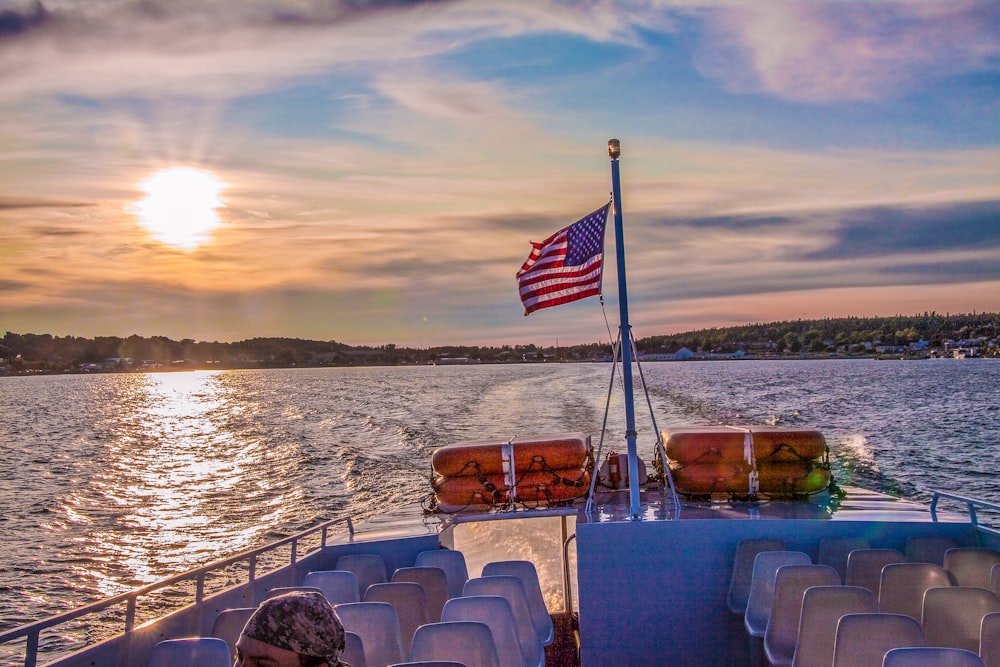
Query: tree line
(44,353)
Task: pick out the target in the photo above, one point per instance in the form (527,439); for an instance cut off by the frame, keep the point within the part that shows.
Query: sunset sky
(373,172)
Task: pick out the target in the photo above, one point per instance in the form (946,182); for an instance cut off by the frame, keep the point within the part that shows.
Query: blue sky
(382,166)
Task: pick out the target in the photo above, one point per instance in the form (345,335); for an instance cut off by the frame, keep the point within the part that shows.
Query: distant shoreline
(206,367)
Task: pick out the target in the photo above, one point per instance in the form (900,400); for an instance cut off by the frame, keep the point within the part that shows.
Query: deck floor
(563,651)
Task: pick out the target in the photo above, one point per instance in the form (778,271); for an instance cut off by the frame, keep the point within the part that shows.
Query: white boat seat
(765,569)
(338,586)
(928,548)
(989,640)
(511,588)
(467,642)
(200,651)
(452,562)
(495,612)
(354,650)
(368,568)
(833,551)
(409,601)
(864,567)
(863,639)
(931,656)
(434,582)
(739,583)
(971,566)
(229,624)
(782,629)
(377,624)
(902,588)
(526,572)
(953,616)
(822,607)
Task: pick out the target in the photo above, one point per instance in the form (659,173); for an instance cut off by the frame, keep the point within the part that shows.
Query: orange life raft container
(727,443)
(535,452)
(544,469)
(779,461)
(469,492)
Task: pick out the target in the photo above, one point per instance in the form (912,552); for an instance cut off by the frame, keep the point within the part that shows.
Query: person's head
(298,629)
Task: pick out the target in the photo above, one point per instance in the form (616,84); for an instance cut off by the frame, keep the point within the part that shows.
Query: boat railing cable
(668,477)
(604,425)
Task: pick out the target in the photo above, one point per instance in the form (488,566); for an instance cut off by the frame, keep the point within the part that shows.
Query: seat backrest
(833,551)
(281,590)
(496,612)
(822,607)
(435,585)
(901,590)
(864,567)
(739,582)
(931,656)
(790,584)
(338,586)
(409,601)
(953,616)
(526,572)
(354,650)
(971,566)
(863,639)
(452,562)
(765,568)
(989,640)
(377,624)
(368,568)
(229,624)
(928,548)
(200,651)
(995,578)
(468,642)
(511,588)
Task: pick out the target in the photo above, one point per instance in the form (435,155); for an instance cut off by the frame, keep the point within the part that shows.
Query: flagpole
(614,152)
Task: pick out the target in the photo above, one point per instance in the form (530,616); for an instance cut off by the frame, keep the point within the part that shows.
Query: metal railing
(30,632)
(971,506)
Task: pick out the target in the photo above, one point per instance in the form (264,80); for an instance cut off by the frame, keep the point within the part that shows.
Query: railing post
(130,614)
(31,649)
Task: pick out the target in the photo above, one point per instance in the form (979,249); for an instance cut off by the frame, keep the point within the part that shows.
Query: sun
(180,206)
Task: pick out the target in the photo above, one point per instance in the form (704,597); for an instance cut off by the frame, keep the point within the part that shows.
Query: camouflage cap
(302,622)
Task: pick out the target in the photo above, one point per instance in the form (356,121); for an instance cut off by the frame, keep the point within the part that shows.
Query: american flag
(566,266)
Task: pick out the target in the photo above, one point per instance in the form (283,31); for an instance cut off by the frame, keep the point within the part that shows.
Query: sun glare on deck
(180,206)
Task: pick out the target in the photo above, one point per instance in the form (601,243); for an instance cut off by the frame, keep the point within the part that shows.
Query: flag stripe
(565,267)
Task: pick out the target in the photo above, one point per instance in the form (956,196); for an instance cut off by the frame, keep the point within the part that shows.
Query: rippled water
(110,481)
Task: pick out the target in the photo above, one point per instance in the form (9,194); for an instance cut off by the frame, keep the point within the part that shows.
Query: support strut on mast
(635,511)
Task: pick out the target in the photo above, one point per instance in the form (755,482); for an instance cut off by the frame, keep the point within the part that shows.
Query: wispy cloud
(825,51)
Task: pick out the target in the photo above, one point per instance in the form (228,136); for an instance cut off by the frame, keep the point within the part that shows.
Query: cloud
(818,52)
(17,21)
(218,49)
(16,203)
(897,230)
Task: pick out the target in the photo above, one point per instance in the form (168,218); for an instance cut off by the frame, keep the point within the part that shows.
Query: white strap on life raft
(509,474)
